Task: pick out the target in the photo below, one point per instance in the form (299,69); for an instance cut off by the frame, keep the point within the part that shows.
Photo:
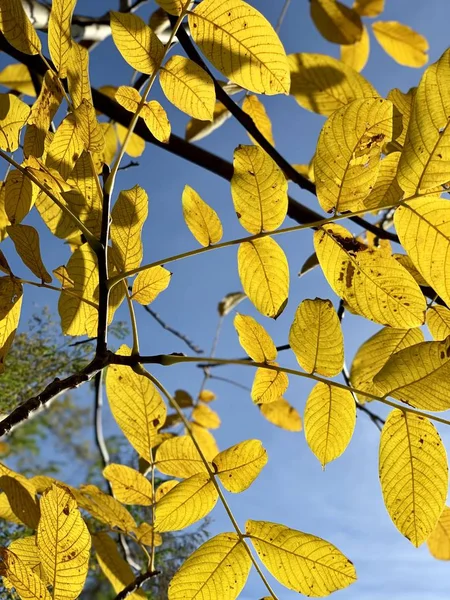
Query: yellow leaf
(26,241)
(426,154)
(89,130)
(269,385)
(316,338)
(413,474)
(110,135)
(6,512)
(323,84)
(187,503)
(329,419)
(24,580)
(114,567)
(438,322)
(264,274)
(65,147)
(217,569)
(403,104)
(78,74)
(254,339)
(423,226)
(202,221)
(239,466)
(145,535)
(336,22)
(374,285)
(42,114)
(255,108)
(259,190)
(149,284)
(386,190)
(136,42)
(64,543)
(188,87)
(439,540)
(128,216)
(403,44)
(26,550)
(77,307)
(418,376)
(16,27)
(13,116)
(300,561)
(104,508)
(178,457)
(8,327)
(20,196)
(153,113)
(173,7)
(135,146)
(136,405)
(368,8)
(129,486)
(282,414)
(375,352)
(205,416)
(62,275)
(59,223)
(206,396)
(21,499)
(241,44)
(196,130)
(17,77)
(356,55)
(84,198)
(164,488)
(205,440)
(406,262)
(348,153)
(59,35)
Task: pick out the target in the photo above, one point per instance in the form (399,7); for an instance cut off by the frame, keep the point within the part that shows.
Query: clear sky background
(343,504)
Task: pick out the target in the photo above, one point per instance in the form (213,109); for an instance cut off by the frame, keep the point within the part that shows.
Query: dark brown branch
(102,263)
(136,584)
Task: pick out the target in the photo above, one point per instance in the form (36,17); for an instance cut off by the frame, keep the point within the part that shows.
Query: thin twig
(231,381)
(102,264)
(136,584)
(98,425)
(189,343)
(282,16)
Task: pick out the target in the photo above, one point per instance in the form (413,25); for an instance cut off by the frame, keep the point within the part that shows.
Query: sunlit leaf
(269,385)
(206,416)
(188,87)
(20,576)
(373,354)
(16,27)
(323,84)
(205,440)
(316,338)
(136,42)
(89,130)
(259,190)
(149,284)
(254,339)
(178,457)
(386,190)
(264,274)
(241,44)
(368,8)
(282,414)
(356,55)
(187,503)
(129,486)
(59,36)
(438,322)
(300,561)
(374,285)
(78,74)
(413,474)
(114,567)
(255,108)
(217,569)
(173,7)
(17,77)
(439,540)
(418,376)
(136,405)
(21,499)
(164,488)
(26,241)
(20,195)
(239,466)
(196,130)
(64,543)
(348,153)
(207,396)
(8,327)
(65,147)
(26,550)
(152,112)
(13,116)
(104,508)
(329,421)
(202,221)
(128,216)
(403,44)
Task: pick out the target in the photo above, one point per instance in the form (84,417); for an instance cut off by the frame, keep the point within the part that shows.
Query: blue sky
(343,504)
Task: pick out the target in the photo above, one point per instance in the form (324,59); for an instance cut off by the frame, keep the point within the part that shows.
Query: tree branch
(136,584)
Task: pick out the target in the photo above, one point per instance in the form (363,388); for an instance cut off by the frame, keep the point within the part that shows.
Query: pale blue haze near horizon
(342,504)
